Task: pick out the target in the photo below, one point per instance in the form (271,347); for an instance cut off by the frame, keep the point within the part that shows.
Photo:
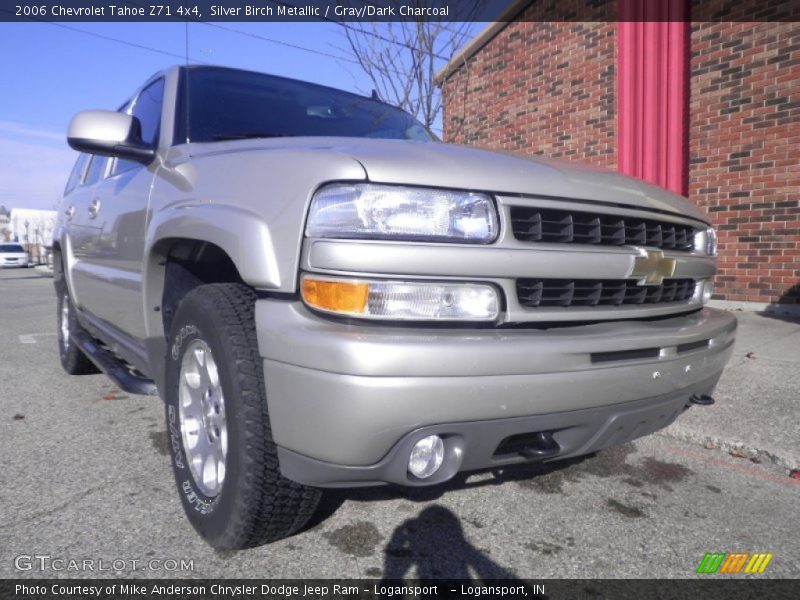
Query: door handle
(70,212)
(94,208)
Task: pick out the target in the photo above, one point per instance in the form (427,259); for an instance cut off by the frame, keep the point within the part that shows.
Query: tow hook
(702,400)
(543,446)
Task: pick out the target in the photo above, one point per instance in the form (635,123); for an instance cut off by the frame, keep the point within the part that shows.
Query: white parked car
(13,255)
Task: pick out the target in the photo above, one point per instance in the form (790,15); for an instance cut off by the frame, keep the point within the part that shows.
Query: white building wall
(33,226)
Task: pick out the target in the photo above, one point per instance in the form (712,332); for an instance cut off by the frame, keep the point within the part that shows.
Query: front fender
(62,240)
(240,233)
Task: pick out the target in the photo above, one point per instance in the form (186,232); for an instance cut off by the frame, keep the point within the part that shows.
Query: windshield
(11,248)
(225,104)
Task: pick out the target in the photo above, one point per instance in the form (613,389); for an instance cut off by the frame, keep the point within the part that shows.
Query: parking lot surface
(86,477)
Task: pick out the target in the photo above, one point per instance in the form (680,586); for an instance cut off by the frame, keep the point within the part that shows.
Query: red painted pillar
(652,91)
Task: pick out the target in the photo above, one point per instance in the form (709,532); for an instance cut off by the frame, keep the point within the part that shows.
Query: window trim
(180,115)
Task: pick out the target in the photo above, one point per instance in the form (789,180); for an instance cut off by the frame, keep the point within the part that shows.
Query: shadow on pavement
(434,543)
(334,498)
(789,300)
(7,277)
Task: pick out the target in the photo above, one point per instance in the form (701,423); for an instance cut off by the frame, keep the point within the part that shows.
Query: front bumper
(347,401)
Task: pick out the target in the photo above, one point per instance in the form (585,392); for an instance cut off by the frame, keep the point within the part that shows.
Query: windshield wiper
(247,135)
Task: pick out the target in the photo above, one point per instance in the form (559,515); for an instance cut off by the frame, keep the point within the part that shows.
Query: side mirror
(109,133)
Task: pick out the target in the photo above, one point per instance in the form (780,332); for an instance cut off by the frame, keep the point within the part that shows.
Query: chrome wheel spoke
(212,375)
(192,431)
(202,415)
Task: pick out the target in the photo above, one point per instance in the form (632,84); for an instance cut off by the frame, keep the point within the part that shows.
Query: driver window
(147,108)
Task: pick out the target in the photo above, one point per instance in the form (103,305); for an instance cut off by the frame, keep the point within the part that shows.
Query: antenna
(186,83)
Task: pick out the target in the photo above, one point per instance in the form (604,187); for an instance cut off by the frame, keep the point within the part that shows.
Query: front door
(119,212)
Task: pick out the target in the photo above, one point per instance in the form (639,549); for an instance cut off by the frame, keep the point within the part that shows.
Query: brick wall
(549,88)
(744,154)
(539,88)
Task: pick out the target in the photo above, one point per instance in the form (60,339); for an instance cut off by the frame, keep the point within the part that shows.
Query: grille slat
(534,293)
(531,224)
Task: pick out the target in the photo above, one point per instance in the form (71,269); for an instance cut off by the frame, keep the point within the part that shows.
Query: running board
(114,367)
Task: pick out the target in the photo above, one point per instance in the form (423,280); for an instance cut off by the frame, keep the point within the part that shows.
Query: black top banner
(397,10)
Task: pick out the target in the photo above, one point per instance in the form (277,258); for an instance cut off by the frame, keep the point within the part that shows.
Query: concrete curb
(788,310)
(736,448)
(758,397)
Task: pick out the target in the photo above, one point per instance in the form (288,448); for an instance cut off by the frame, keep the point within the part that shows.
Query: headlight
(401,300)
(370,211)
(706,241)
(708,291)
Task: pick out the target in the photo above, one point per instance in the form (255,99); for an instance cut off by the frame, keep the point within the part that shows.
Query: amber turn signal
(336,296)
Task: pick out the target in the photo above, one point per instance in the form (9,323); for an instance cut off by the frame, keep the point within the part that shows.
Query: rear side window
(77,173)
(96,170)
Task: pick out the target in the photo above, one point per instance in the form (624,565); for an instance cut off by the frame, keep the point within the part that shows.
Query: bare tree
(402,58)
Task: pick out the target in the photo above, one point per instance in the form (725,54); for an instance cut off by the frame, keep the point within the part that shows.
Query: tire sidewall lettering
(184,332)
(192,497)
(175,442)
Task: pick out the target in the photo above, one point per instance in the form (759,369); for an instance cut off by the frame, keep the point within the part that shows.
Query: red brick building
(707,107)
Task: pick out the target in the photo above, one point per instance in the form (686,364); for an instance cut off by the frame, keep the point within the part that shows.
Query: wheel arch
(195,245)
(62,267)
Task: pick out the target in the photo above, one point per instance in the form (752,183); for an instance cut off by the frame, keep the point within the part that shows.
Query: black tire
(73,360)
(255,504)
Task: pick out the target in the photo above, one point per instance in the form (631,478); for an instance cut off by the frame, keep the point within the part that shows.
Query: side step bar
(112,366)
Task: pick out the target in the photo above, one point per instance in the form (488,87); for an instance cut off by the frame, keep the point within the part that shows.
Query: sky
(52,71)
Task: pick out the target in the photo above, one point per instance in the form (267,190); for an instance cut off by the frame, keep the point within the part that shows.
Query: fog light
(708,291)
(426,457)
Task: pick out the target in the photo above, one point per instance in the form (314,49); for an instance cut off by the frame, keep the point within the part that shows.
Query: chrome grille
(531,224)
(535,293)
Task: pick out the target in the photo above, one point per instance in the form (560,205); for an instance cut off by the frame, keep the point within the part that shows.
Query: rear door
(72,196)
(75,206)
(118,215)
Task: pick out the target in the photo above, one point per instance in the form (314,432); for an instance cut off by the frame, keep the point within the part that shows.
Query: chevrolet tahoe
(324,295)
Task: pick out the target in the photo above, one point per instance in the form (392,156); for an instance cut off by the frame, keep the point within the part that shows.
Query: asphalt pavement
(86,478)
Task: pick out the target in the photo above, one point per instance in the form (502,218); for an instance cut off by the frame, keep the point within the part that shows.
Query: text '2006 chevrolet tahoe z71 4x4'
(325,296)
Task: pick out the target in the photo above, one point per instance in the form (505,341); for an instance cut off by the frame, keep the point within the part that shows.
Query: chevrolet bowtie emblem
(651,267)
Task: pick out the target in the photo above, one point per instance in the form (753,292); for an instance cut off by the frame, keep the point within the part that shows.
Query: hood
(443,165)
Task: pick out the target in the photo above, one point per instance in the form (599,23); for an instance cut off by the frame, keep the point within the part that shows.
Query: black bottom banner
(293,589)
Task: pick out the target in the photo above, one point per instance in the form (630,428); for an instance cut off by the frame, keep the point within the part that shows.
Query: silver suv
(326,296)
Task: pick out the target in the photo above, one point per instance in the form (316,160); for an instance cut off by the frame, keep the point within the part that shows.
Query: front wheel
(223,455)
